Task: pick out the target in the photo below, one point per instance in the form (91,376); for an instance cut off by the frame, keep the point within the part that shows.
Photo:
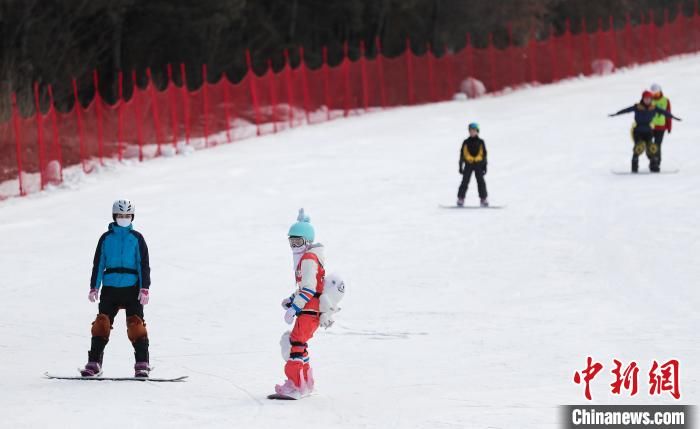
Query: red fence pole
(469,53)
(409,72)
(551,42)
(642,33)
(569,50)
(205,101)
(185,103)
(365,87)
(120,117)
(290,88)
(18,143)
(326,83)
(449,60)
(695,31)
(431,73)
(156,116)
(531,52)
(98,111)
(665,35)
(628,47)
(692,30)
(172,106)
(253,90)
(601,43)
(492,74)
(40,136)
(227,109)
(651,37)
(81,132)
(346,76)
(138,114)
(54,129)
(586,40)
(304,84)
(273,94)
(380,70)
(682,29)
(613,42)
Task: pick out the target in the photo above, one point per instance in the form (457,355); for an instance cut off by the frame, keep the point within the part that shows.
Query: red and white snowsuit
(309,279)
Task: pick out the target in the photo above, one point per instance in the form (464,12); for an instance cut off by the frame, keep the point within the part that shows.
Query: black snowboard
(100,378)
(469,207)
(281,397)
(629,173)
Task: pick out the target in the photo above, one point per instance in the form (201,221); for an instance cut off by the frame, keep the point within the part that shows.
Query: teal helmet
(302,228)
(474,126)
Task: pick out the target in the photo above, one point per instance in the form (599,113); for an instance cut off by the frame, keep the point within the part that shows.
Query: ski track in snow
(453,318)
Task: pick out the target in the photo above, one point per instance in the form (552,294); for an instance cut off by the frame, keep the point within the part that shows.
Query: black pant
(658,139)
(112,299)
(478,170)
(643,142)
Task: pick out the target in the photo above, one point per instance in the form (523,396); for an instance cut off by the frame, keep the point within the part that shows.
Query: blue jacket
(643,115)
(121,259)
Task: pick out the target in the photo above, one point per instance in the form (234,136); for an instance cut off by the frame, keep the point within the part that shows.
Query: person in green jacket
(660,122)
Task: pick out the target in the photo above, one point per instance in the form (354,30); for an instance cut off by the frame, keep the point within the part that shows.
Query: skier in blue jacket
(122,268)
(642,133)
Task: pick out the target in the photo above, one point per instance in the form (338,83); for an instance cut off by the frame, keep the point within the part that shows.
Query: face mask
(123,222)
(297,253)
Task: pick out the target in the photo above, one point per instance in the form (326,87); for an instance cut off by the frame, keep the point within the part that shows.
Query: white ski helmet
(655,88)
(123,207)
(333,293)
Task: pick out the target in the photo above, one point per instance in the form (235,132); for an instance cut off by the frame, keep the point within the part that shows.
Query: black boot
(142,367)
(654,166)
(97,349)
(635,165)
(141,350)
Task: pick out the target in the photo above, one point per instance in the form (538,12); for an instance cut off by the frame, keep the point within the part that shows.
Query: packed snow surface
(452,319)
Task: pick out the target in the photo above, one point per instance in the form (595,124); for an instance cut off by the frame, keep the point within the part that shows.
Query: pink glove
(92,296)
(143,296)
(289,316)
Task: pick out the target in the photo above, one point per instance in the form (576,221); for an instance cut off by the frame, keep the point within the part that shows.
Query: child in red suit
(303,308)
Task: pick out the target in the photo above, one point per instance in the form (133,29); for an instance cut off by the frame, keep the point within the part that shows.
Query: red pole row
(362,84)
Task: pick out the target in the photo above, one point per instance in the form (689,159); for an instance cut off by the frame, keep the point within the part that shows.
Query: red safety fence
(159,121)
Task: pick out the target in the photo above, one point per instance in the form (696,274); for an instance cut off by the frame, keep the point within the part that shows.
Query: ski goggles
(295,242)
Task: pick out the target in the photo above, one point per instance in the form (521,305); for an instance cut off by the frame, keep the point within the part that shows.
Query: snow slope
(453,319)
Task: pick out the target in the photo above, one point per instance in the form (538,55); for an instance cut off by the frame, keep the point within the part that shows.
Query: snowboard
(281,397)
(454,206)
(78,377)
(629,173)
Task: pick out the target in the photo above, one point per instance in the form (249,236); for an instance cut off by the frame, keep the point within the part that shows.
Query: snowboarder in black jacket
(472,159)
(642,133)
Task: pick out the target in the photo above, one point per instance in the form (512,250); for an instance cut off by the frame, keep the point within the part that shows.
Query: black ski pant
(658,139)
(113,299)
(478,169)
(643,142)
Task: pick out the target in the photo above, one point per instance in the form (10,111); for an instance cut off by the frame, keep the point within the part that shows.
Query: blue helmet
(474,126)
(302,228)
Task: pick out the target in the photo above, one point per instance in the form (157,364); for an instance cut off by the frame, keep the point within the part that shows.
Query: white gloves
(326,320)
(92,296)
(289,316)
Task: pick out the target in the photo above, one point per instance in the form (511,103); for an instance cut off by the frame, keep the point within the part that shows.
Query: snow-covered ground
(453,318)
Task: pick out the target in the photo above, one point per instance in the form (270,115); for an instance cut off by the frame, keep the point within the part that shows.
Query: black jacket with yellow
(473,151)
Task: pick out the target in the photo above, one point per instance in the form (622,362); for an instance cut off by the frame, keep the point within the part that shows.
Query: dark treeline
(51,41)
